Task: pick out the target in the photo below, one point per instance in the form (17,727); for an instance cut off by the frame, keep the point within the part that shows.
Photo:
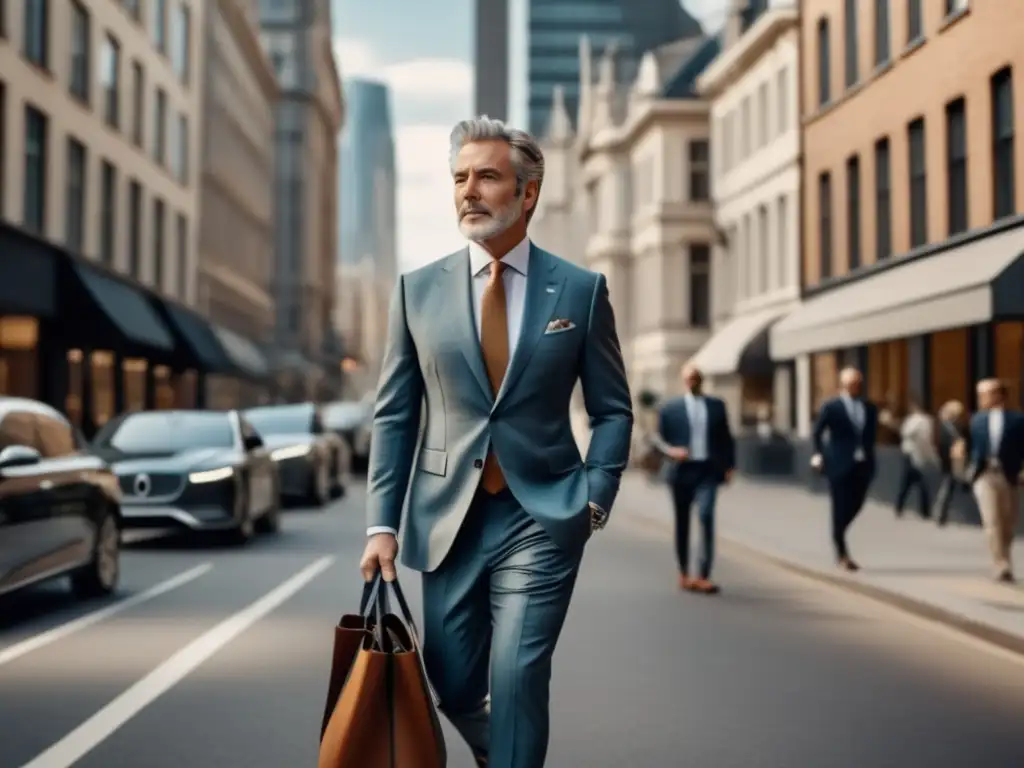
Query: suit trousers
(847,493)
(493,612)
(695,482)
(998,504)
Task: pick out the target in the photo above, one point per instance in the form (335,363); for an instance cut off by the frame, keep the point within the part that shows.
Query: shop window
(76,388)
(1009,349)
(103,405)
(185,385)
(948,368)
(134,372)
(19,337)
(825,379)
(164,387)
(888,381)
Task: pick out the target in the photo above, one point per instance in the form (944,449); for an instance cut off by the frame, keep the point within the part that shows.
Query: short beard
(497,222)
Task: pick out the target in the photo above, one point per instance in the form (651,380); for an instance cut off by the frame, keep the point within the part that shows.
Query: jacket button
(479,463)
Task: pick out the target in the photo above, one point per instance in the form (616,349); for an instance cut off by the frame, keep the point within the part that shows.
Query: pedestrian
(694,433)
(997,454)
(918,449)
(848,457)
(952,448)
(494,339)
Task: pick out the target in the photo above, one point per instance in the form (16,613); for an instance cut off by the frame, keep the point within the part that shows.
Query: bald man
(847,458)
(997,454)
(693,432)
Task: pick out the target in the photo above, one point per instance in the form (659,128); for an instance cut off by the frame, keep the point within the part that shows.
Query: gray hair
(526,154)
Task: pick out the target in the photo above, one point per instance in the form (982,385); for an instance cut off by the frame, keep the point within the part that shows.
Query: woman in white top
(917,444)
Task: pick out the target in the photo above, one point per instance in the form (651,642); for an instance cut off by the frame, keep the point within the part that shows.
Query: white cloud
(423,78)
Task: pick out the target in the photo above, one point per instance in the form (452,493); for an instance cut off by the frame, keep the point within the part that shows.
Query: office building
(490,58)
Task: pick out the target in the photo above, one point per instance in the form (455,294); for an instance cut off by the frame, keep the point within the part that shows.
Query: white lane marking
(36,642)
(101,725)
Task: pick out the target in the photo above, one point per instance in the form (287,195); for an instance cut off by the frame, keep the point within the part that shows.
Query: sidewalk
(938,573)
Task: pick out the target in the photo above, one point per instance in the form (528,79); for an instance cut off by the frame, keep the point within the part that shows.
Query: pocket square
(560,324)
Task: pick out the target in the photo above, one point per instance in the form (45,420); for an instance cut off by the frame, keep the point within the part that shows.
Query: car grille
(160,484)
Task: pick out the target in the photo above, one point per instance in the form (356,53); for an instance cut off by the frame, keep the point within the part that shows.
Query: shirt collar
(518,258)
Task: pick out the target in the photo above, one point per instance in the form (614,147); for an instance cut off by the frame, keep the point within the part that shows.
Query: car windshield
(167,432)
(281,420)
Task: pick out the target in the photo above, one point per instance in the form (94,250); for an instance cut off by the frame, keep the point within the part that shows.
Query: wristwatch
(598,517)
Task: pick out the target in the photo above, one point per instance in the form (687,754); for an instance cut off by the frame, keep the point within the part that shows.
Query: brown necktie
(494,344)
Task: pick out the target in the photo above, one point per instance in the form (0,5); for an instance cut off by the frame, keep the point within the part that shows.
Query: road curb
(913,606)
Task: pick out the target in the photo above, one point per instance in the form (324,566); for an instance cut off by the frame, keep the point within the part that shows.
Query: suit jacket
(1011,445)
(839,453)
(674,429)
(433,355)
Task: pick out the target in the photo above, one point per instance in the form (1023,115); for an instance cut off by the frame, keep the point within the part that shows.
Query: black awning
(244,354)
(28,274)
(198,336)
(123,308)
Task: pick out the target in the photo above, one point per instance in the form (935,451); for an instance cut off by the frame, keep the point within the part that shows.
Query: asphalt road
(226,667)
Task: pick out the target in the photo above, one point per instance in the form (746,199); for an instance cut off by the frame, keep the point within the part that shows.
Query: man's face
(692,380)
(854,385)
(485,190)
(989,396)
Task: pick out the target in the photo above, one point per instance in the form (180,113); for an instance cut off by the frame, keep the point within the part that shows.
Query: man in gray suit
(491,341)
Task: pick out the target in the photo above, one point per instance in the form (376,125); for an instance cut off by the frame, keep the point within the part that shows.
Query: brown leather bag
(381,711)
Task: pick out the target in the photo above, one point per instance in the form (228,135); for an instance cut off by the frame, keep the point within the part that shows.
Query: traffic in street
(214,655)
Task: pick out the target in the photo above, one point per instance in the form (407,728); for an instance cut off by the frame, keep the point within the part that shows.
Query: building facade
(100,111)
(236,226)
(308,119)
(490,58)
(628,195)
(753,88)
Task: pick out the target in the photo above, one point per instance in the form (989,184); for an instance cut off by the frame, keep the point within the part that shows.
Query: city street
(225,665)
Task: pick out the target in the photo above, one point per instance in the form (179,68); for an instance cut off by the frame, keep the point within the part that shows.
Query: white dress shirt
(697,413)
(517,263)
(995,432)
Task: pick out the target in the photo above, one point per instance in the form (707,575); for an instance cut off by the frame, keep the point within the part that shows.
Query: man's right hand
(380,553)
(678,453)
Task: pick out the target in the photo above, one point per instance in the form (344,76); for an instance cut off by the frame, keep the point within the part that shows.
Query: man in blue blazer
(847,457)
(997,455)
(491,342)
(693,431)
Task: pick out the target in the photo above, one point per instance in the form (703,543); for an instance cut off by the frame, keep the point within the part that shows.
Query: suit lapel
(543,287)
(462,317)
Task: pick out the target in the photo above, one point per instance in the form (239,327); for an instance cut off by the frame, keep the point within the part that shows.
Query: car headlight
(211,475)
(291,452)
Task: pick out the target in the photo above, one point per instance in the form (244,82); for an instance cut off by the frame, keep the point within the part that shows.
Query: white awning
(723,352)
(952,289)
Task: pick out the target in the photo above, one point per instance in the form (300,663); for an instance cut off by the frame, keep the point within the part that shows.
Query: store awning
(123,307)
(976,281)
(28,274)
(198,335)
(740,346)
(243,353)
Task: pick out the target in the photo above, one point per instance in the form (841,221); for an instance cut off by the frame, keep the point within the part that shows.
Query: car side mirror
(252,443)
(18,456)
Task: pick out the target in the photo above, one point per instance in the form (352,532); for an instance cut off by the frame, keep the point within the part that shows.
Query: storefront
(244,384)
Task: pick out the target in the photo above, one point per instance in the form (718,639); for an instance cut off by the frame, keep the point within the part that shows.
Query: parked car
(60,509)
(199,471)
(314,464)
(353,421)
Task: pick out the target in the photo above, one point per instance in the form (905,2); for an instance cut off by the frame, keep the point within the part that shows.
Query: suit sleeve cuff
(373,530)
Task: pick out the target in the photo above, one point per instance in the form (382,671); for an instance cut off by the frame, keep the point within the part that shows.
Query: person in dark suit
(693,432)
(847,458)
(997,455)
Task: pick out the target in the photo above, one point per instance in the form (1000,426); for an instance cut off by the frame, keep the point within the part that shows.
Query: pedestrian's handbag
(385,713)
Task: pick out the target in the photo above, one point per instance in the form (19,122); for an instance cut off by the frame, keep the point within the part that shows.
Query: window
(824,64)
(746,145)
(918,184)
(882,42)
(915,26)
(180,159)
(956,166)
(108,213)
(134,228)
(74,204)
(79,79)
(853,218)
(700,184)
(110,80)
(1003,152)
(158,244)
(36,130)
(762,114)
(182,41)
(783,101)
(160,25)
(883,200)
(138,104)
(37,32)
(700,285)
(160,127)
(764,267)
(825,224)
(956,6)
(182,238)
(782,232)
(850,41)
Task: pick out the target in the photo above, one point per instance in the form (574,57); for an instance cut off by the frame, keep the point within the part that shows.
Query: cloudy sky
(423,51)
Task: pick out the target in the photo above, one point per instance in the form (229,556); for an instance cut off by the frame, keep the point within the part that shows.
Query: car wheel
(271,520)
(244,529)
(101,575)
